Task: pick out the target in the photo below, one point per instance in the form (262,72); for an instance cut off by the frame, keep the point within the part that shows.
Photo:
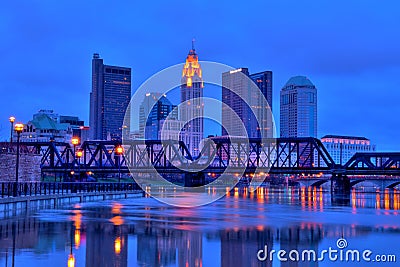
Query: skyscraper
(154,109)
(192,109)
(238,85)
(298,106)
(109,100)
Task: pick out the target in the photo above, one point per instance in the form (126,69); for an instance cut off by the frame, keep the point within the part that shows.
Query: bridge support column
(194,179)
(340,189)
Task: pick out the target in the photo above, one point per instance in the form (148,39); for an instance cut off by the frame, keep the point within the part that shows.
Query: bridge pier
(340,189)
(194,179)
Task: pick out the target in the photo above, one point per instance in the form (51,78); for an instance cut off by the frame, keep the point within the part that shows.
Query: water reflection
(144,232)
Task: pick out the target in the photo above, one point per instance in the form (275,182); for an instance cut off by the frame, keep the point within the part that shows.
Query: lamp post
(11,119)
(19,127)
(119,150)
(75,141)
(79,154)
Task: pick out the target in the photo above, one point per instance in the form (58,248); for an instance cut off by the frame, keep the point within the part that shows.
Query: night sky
(348,49)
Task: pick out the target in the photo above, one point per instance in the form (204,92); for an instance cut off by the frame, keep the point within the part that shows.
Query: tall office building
(237,85)
(298,106)
(109,100)
(191,112)
(263,80)
(154,109)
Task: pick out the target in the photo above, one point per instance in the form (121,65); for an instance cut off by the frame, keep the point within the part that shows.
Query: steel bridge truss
(376,163)
(279,155)
(276,156)
(282,155)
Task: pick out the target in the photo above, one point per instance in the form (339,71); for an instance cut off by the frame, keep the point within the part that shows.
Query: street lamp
(75,141)
(11,119)
(119,150)
(19,127)
(79,154)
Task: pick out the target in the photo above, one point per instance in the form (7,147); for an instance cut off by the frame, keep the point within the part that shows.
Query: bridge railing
(13,189)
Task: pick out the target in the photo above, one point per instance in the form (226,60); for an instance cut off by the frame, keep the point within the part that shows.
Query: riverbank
(15,206)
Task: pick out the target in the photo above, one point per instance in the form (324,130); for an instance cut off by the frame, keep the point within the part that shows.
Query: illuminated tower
(299,108)
(192,108)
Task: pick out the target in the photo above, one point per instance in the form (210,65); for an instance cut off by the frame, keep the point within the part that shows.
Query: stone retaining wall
(29,167)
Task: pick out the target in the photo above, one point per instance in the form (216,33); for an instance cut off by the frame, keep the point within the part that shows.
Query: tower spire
(193,40)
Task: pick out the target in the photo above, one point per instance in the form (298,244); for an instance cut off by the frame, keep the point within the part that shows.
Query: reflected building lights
(116,208)
(77,238)
(117,245)
(378,200)
(386,199)
(117,220)
(106,244)
(77,219)
(236,194)
(303,197)
(354,199)
(71,260)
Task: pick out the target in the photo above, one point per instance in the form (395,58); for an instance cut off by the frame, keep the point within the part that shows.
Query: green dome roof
(299,81)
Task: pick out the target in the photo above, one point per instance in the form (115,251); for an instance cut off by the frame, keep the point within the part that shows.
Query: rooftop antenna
(193,40)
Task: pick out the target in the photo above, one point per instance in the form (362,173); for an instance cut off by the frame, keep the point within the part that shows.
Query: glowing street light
(11,119)
(119,150)
(79,154)
(19,127)
(75,141)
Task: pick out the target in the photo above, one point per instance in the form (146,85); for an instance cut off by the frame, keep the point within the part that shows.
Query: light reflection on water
(229,232)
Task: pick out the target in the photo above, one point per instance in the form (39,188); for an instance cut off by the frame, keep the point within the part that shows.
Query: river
(241,229)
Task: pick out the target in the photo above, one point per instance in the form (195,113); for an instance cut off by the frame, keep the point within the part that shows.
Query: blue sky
(349,50)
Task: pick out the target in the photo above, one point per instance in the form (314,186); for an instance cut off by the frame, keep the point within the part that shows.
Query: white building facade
(342,148)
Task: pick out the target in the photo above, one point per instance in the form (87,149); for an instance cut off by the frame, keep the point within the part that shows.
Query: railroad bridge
(305,158)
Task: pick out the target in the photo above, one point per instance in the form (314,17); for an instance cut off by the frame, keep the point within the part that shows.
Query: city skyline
(349,61)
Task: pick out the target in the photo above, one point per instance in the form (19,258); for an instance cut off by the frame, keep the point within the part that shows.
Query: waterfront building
(109,100)
(342,148)
(76,124)
(46,126)
(298,108)
(192,108)
(154,109)
(237,85)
